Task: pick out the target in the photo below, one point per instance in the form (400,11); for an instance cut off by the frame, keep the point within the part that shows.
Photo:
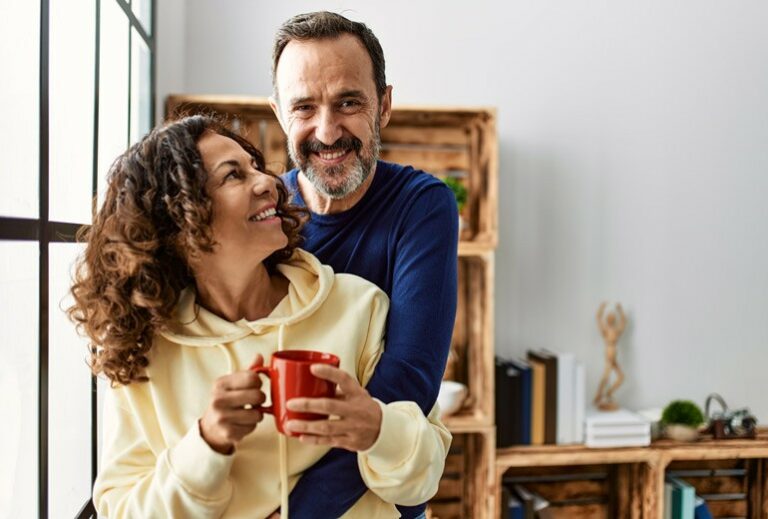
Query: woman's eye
(232,175)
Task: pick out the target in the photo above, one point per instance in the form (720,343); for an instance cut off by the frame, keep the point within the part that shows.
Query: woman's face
(244,223)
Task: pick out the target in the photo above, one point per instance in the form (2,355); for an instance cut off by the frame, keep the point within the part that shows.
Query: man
(390,224)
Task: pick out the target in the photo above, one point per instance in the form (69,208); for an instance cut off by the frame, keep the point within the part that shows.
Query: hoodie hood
(310,282)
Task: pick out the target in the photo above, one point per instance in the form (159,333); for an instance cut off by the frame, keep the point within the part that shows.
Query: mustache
(344,143)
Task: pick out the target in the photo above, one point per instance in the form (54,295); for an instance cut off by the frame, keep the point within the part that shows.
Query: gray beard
(320,178)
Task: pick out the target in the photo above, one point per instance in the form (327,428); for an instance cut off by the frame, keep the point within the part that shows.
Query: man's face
(329,109)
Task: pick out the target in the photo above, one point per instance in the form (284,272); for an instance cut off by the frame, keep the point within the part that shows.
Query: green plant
(459,191)
(682,412)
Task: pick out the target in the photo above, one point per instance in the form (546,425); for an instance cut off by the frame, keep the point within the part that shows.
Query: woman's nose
(264,184)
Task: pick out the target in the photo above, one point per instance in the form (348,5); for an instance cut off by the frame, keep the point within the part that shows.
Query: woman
(190,276)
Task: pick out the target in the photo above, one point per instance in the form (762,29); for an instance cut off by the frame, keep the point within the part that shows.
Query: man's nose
(328,129)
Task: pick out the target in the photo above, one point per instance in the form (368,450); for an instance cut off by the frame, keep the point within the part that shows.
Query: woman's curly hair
(156,213)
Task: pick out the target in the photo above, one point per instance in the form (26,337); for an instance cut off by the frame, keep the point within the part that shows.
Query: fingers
(329,406)
(327,428)
(238,398)
(344,380)
(243,417)
(244,379)
(258,361)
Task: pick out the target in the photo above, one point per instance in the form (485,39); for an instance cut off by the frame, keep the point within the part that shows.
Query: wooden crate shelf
(731,473)
(467,486)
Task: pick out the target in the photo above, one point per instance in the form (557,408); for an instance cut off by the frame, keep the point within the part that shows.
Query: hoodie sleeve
(405,463)
(188,479)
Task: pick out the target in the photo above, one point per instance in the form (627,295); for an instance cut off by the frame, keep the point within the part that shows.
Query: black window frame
(44,231)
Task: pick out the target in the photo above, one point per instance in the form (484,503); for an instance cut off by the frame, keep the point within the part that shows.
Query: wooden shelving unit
(629,482)
(455,142)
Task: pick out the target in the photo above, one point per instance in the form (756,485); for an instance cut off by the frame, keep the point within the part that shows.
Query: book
(565,387)
(580,403)
(621,428)
(526,498)
(683,498)
(524,417)
(701,510)
(668,487)
(538,384)
(514,508)
(550,392)
(533,504)
(508,403)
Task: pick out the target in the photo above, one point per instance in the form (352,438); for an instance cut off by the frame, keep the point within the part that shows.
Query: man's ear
(276,110)
(386,106)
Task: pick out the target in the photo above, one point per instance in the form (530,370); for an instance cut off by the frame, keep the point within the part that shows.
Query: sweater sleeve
(186,480)
(419,328)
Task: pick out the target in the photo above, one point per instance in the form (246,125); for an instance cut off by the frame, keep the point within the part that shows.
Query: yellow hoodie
(154,462)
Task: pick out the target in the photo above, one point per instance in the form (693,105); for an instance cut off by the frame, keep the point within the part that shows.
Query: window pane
(113,88)
(69,394)
(140,87)
(19,378)
(72,66)
(19,104)
(143,11)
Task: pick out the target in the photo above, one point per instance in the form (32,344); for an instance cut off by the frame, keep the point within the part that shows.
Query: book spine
(538,384)
(525,406)
(580,402)
(566,384)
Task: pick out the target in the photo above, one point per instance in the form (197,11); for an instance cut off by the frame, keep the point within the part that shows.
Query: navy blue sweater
(402,236)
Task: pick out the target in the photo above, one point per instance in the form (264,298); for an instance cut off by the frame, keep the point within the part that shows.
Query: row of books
(540,399)
(681,501)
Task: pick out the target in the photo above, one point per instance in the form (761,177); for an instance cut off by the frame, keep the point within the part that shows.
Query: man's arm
(419,329)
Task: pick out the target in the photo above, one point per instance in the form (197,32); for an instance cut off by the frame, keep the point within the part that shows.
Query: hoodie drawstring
(228,356)
(283,445)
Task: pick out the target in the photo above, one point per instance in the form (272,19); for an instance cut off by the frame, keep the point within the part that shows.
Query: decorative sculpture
(611,329)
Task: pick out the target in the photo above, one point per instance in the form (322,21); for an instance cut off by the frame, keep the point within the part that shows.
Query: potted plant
(681,420)
(460,193)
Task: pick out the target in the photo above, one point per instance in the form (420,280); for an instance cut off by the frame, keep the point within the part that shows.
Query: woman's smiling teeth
(267,213)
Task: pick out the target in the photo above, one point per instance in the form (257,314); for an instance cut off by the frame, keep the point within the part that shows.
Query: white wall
(634,147)
(171,57)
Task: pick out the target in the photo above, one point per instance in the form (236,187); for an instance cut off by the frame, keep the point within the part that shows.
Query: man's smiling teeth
(330,155)
(263,215)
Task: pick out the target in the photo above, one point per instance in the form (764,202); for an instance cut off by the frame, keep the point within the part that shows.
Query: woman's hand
(357,416)
(231,415)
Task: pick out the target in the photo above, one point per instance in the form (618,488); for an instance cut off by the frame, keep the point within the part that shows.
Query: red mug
(289,377)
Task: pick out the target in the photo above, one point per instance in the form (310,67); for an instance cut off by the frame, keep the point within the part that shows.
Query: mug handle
(264,370)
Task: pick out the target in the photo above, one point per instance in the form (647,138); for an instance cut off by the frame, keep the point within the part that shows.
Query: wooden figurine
(611,330)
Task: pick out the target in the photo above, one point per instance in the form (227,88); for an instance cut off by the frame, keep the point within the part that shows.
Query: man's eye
(350,103)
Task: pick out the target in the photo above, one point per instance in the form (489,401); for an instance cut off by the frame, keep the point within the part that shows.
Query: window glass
(143,11)
(19,346)
(19,104)
(141,86)
(69,394)
(113,88)
(72,64)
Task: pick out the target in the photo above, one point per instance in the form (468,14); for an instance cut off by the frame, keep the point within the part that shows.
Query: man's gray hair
(325,25)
